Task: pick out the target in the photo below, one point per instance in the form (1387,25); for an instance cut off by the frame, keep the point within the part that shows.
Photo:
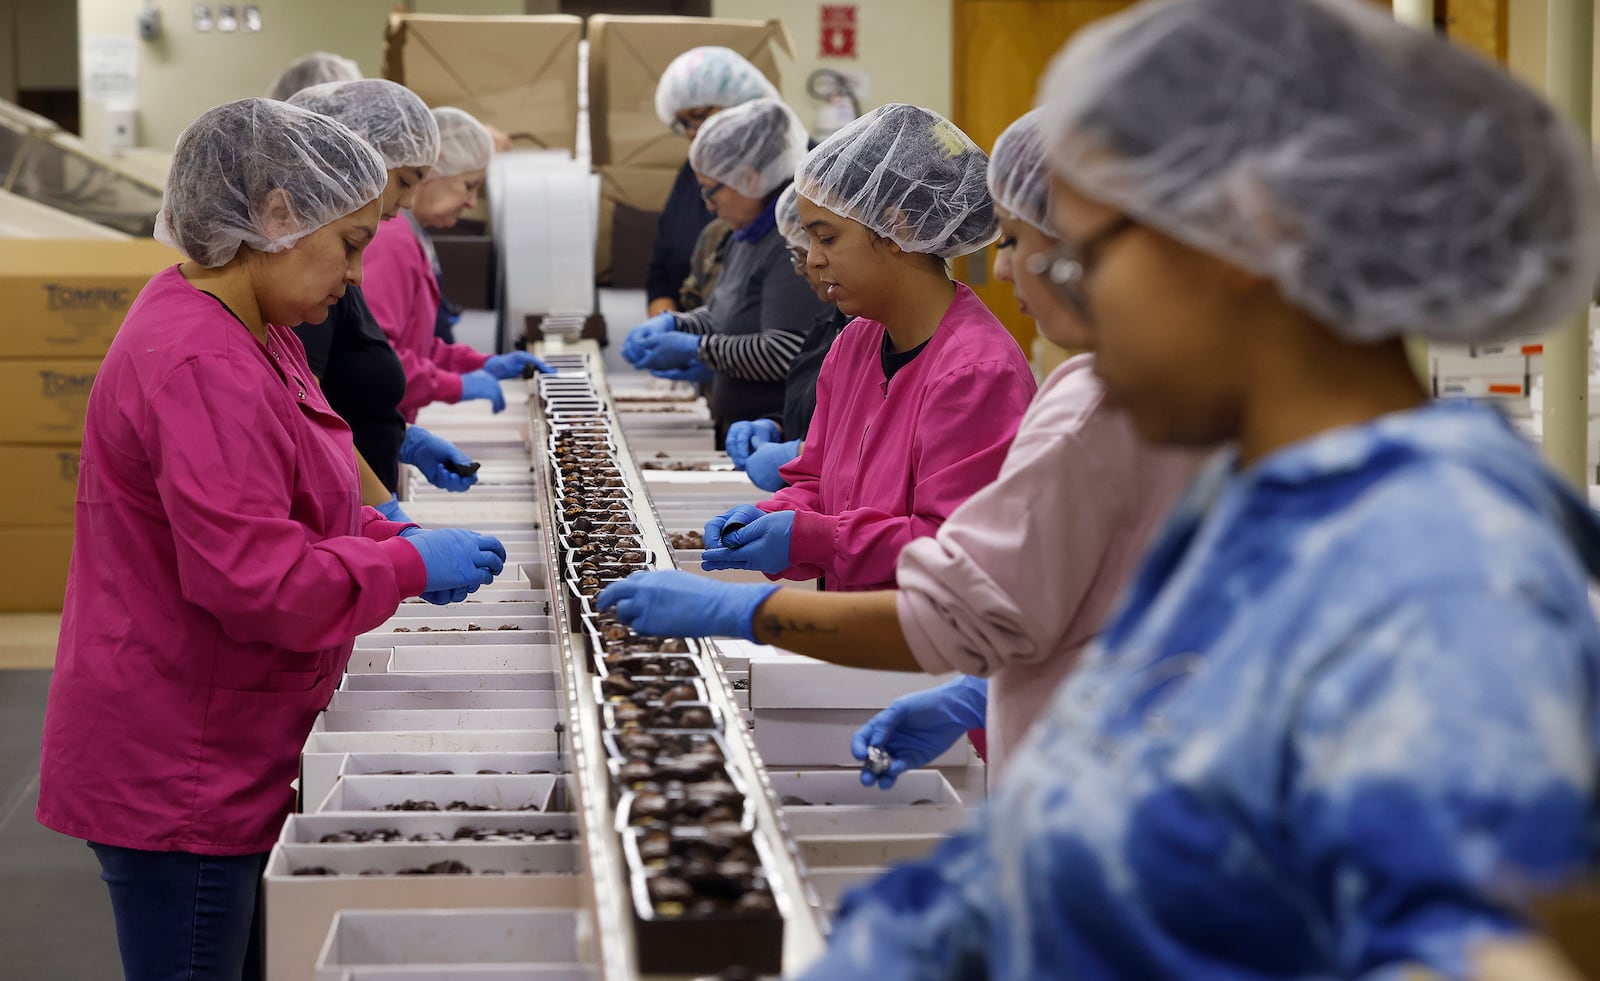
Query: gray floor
(55,917)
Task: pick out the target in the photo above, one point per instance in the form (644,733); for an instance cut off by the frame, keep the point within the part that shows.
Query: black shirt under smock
(362,379)
(800,387)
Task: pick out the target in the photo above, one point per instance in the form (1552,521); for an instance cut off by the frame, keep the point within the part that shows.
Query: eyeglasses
(696,119)
(1067,266)
(707,193)
(797,259)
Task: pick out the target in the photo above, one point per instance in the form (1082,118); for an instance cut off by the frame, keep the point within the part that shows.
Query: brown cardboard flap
(35,571)
(48,496)
(518,74)
(626,58)
(638,193)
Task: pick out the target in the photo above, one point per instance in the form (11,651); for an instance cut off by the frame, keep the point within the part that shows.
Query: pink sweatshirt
(885,463)
(403,294)
(221,568)
(1025,573)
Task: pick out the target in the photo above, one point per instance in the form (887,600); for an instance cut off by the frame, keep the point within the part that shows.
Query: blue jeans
(184,917)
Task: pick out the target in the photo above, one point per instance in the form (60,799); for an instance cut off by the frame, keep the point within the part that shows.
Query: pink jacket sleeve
(403,295)
(380,529)
(1004,580)
(226,487)
(459,358)
(804,472)
(965,427)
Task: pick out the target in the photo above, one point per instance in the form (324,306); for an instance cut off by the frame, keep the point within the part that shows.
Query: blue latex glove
(669,603)
(765,461)
(741,514)
(695,372)
(482,385)
(513,364)
(760,546)
(391,509)
(633,347)
(670,349)
(917,729)
(442,597)
(430,453)
(747,434)
(458,559)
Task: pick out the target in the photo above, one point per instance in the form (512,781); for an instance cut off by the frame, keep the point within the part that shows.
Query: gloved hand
(765,461)
(669,603)
(916,729)
(741,514)
(514,363)
(760,546)
(482,385)
(633,347)
(670,349)
(430,454)
(747,434)
(695,372)
(458,559)
(391,509)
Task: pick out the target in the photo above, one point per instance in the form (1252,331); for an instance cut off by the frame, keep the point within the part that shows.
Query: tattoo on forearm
(775,626)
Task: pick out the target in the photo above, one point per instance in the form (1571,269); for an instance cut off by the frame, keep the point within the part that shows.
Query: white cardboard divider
(402,720)
(527,939)
(366,701)
(465,764)
(840,805)
(460,658)
(452,681)
(533,792)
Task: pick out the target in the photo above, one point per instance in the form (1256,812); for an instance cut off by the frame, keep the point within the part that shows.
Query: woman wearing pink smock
(222,563)
(402,280)
(1016,583)
(921,394)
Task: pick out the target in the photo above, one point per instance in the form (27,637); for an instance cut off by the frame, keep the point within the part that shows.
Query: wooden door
(1000,50)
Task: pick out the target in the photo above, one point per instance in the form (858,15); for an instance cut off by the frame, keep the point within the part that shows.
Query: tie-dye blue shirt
(1346,718)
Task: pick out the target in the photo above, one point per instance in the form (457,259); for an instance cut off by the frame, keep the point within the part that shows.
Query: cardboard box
(466,269)
(35,571)
(48,496)
(67,297)
(631,199)
(626,58)
(517,74)
(44,400)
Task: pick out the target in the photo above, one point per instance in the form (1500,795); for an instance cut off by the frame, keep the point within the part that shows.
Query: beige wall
(903,44)
(1528,27)
(185,72)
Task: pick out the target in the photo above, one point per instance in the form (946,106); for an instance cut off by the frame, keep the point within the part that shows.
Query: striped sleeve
(763,356)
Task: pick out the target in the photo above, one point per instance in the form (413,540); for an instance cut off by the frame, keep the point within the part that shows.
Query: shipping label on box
(67,298)
(49,495)
(44,400)
(626,58)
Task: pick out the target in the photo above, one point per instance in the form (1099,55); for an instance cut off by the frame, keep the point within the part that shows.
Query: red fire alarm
(838,30)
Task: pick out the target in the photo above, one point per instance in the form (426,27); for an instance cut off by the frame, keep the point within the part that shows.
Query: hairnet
(1386,180)
(709,76)
(464,143)
(312,69)
(753,148)
(1019,180)
(386,114)
(789,220)
(232,162)
(908,174)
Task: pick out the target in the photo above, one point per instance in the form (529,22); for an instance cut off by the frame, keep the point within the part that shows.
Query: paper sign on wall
(838,30)
(111,68)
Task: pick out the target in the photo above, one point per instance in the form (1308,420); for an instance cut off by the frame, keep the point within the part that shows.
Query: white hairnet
(908,174)
(1386,180)
(709,76)
(388,115)
(312,69)
(789,220)
(464,143)
(1019,179)
(753,148)
(238,160)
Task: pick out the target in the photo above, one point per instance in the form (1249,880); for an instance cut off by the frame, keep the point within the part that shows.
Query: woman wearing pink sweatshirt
(921,394)
(222,564)
(1016,583)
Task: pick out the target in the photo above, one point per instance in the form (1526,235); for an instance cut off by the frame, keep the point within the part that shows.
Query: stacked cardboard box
(637,157)
(64,300)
